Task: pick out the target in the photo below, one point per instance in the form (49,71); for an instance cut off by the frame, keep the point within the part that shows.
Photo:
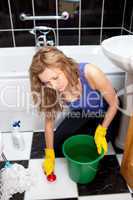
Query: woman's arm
(103,84)
(49,135)
(49,161)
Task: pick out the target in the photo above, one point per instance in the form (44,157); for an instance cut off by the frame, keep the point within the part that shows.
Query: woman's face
(54,78)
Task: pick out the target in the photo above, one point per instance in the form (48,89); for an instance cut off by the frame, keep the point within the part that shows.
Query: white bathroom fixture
(119,50)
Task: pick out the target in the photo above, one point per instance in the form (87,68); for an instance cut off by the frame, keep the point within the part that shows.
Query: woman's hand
(49,161)
(100,139)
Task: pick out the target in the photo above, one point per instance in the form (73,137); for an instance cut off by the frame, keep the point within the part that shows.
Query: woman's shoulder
(87,67)
(90,73)
(91,70)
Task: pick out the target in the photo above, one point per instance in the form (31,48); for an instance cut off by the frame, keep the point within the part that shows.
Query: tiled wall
(128,20)
(89,23)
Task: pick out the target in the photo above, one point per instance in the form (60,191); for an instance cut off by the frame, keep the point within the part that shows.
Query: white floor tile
(111,150)
(14,154)
(124,196)
(63,187)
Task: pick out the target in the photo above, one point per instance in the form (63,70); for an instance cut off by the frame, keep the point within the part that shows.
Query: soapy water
(14,179)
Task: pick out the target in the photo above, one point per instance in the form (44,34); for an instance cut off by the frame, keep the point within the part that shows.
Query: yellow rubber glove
(100,139)
(49,161)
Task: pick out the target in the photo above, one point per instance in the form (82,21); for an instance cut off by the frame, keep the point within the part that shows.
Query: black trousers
(78,123)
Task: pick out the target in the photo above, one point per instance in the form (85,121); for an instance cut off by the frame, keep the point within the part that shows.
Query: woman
(58,80)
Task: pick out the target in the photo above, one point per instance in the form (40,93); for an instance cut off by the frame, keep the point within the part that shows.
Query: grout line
(33,11)
(79,40)
(123,19)
(131,21)
(12,27)
(57,24)
(14,30)
(119,27)
(28,29)
(89,28)
(72,28)
(34,22)
(4,30)
(128,30)
(101,29)
(82,28)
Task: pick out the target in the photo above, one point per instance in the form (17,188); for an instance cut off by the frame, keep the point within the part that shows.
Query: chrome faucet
(41,33)
(41,39)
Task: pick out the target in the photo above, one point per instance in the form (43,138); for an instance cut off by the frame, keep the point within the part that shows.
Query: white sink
(119,49)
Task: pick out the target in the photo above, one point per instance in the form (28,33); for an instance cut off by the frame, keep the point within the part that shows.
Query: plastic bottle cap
(51,177)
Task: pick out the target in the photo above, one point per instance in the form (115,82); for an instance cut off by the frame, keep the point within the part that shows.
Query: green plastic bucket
(82,158)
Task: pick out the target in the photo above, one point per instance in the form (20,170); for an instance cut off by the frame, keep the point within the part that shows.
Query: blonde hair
(51,57)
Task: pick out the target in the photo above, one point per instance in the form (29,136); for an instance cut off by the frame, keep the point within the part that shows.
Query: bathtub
(14,65)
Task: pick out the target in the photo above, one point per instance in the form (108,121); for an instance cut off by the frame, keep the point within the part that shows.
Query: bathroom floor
(108,183)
